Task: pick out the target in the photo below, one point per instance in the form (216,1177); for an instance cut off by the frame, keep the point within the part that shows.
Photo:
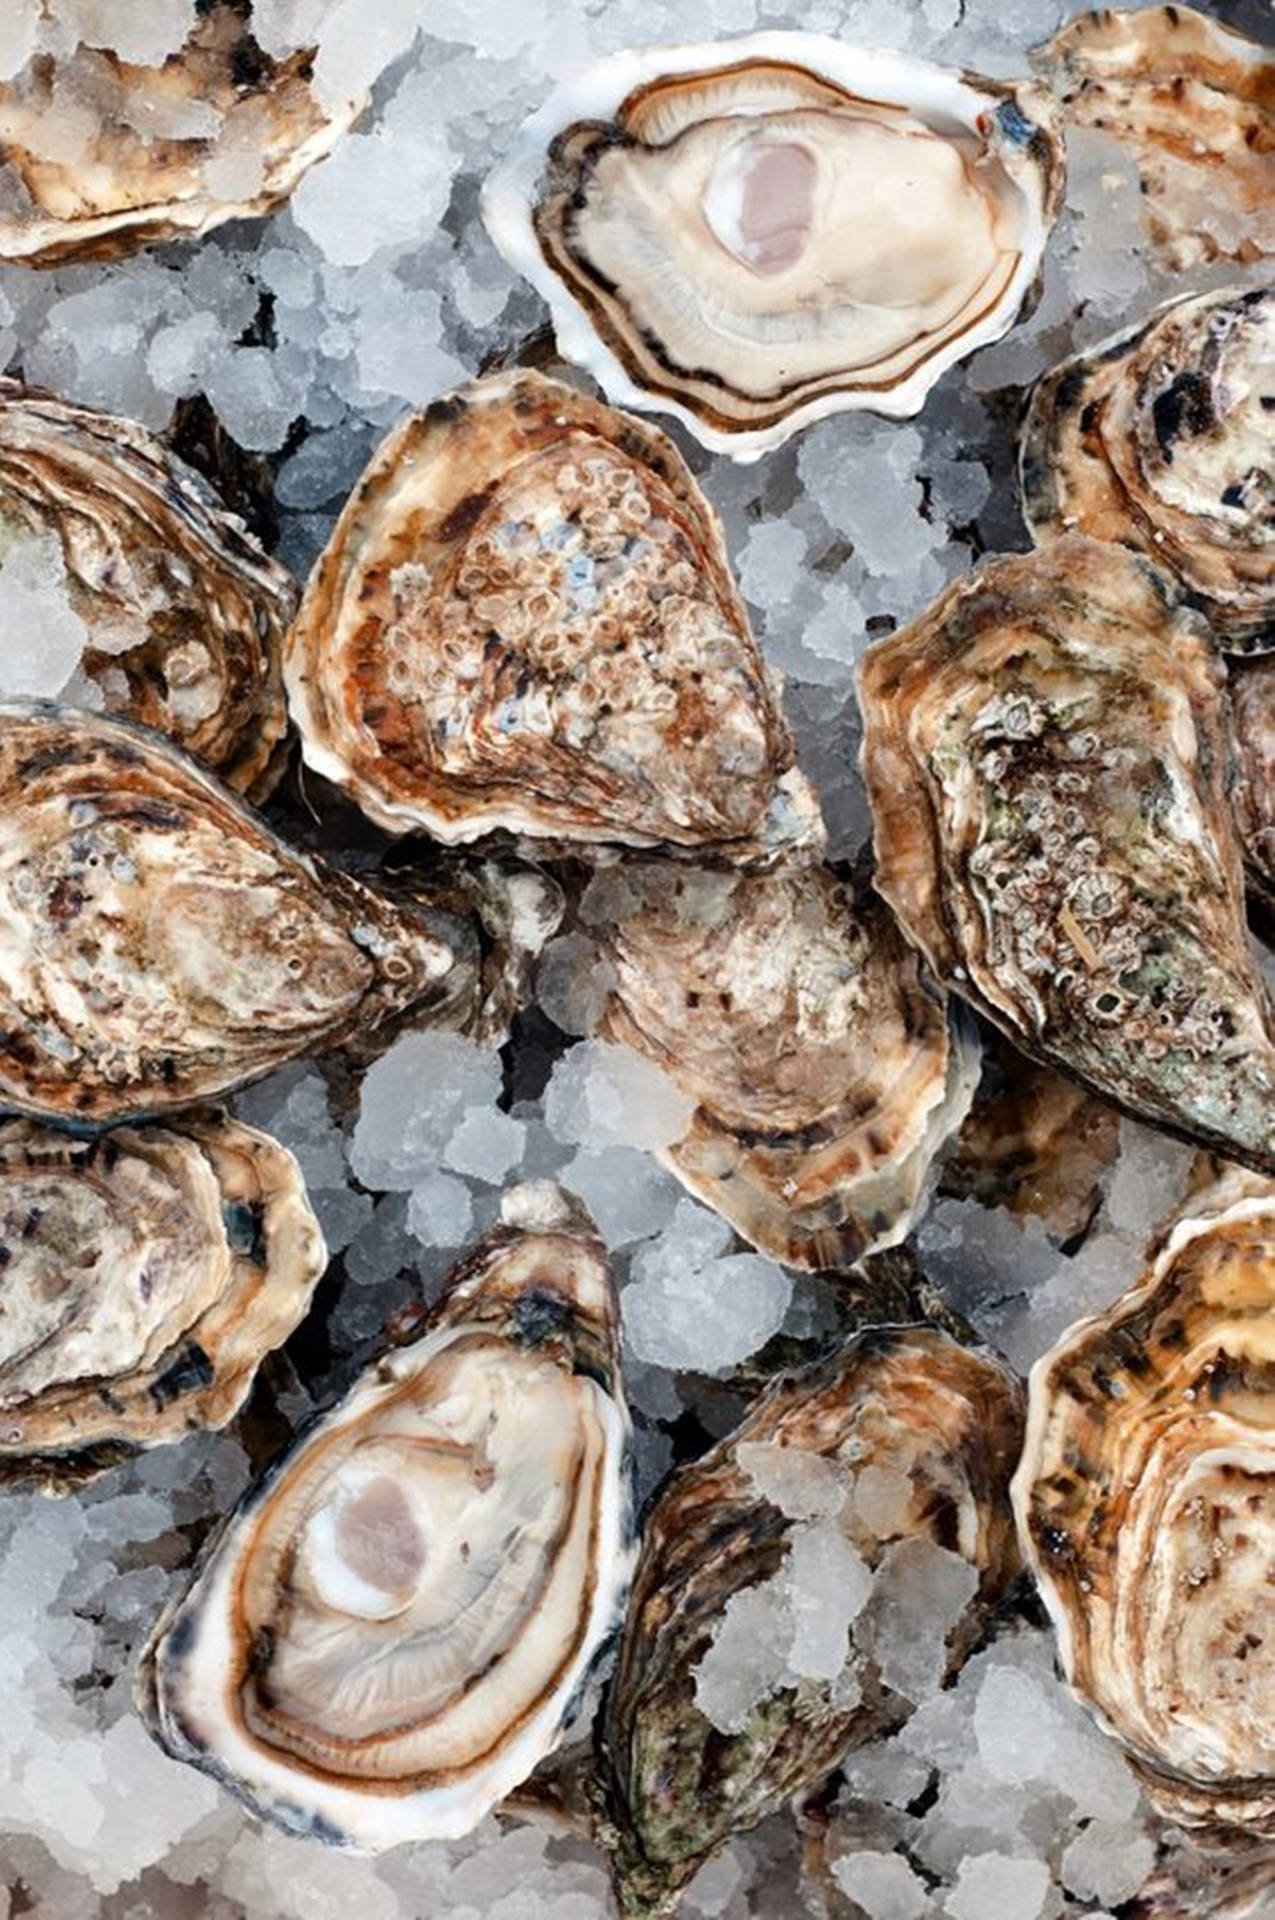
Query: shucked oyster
(1252,689)
(753,234)
(1162,438)
(525,620)
(1047,760)
(1145,1508)
(185,615)
(145,1278)
(159,945)
(942,1427)
(824,1067)
(390,1633)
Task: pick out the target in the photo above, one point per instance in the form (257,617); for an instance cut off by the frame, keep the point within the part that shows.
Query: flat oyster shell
(1047,756)
(826,1069)
(146,1276)
(318,1666)
(713,228)
(149,170)
(1252,688)
(185,613)
(1161,438)
(906,1399)
(158,945)
(525,621)
(1144,1509)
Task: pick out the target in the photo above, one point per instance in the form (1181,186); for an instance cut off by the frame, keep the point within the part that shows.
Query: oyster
(1161,438)
(185,614)
(159,945)
(825,1068)
(219,131)
(1144,1508)
(944,1424)
(1047,758)
(1252,687)
(753,234)
(525,620)
(1191,99)
(146,1276)
(392,1630)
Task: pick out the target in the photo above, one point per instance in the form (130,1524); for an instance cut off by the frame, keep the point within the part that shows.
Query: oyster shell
(1161,438)
(1252,687)
(1144,1508)
(146,1276)
(525,620)
(1047,758)
(392,1630)
(159,945)
(185,614)
(905,1399)
(166,139)
(753,234)
(826,1070)
(1191,99)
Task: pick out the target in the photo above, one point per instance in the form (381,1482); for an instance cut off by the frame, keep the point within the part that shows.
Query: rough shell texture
(1047,759)
(1144,1506)
(525,620)
(146,1276)
(1253,711)
(1161,438)
(150,169)
(158,945)
(906,1399)
(391,1631)
(185,614)
(753,234)
(824,1067)
(1193,103)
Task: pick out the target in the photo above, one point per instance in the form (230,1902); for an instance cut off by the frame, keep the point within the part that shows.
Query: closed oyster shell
(185,614)
(525,621)
(826,1069)
(1047,758)
(392,1630)
(146,1276)
(158,945)
(754,234)
(1161,438)
(1252,686)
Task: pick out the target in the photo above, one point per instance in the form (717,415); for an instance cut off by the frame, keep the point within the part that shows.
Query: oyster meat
(185,615)
(1145,1510)
(1252,688)
(158,945)
(392,1630)
(146,1276)
(1047,757)
(525,620)
(1162,438)
(753,234)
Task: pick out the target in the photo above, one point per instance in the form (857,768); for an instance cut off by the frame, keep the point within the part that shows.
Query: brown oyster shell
(1192,101)
(185,613)
(146,1276)
(1144,1507)
(1161,438)
(1252,684)
(128,188)
(1047,756)
(906,1398)
(525,620)
(160,946)
(826,1068)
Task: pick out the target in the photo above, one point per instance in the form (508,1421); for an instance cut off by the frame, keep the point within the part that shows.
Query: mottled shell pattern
(1252,694)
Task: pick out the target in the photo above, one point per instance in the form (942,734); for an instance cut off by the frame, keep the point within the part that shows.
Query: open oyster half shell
(752,234)
(392,1630)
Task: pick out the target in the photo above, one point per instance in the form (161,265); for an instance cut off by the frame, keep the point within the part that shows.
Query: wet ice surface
(375,291)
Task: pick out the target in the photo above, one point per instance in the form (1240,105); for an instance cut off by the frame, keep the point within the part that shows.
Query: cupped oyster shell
(392,1630)
(158,945)
(752,234)
(1047,757)
(146,1276)
(1252,690)
(525,621)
